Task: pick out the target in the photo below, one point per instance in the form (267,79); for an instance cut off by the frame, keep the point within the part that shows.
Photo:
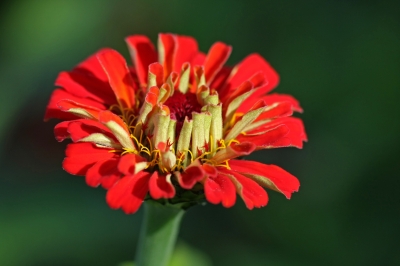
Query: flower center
(180,106)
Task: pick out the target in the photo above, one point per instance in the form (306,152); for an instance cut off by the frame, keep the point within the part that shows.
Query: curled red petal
(79,129)
(281,109)
(271,138)
(161,187)
(157,70)
(197,60)
(281,132)
(119,129)
(275,177)
(253,195)
(190,176)
(220,189)
(61,131)
(258,79)
(104,172)
(108,116)
(53,110)
(234,151)
(143,54)
(269,100)
(129,193)
(198,72)
(128,164)
(257,104)
(79,108)
(82,156)
(275,98)
(83,128)
(152,95)
(210,170)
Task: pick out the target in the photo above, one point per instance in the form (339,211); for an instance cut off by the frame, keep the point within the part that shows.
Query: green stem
(158,234)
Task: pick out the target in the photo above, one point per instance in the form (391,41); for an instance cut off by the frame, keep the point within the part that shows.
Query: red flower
(173,126)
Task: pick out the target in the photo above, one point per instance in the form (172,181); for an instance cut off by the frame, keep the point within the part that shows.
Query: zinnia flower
(174,127)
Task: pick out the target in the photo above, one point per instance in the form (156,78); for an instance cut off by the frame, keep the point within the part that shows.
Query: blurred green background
(340,58)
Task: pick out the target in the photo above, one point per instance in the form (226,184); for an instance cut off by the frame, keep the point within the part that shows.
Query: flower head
(174,127)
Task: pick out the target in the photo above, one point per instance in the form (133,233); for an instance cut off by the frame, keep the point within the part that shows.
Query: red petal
(53,110)
(82,156)
(157,70)
(87,127)
(186,48)
(252,193)
(92,67)
(243,88)
(198,59)
(67,105)
(152,96)
(198,72)
(270,99)
(166,42)
(234,151)
(119,77)
(129,192)
(118,127)
(190,176)
(104,172)
(282,180)
(161,187)
(294,136)
(221,78)
(249,67)
(220,189)
(107,116)
(258,104)
(88,80)
(85,85)
(143,54)
(210,170)
(258,79)
(281,109)
(128,162)
(61,132)
(275,98)
(274,137)
(215,60)
(82,128)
